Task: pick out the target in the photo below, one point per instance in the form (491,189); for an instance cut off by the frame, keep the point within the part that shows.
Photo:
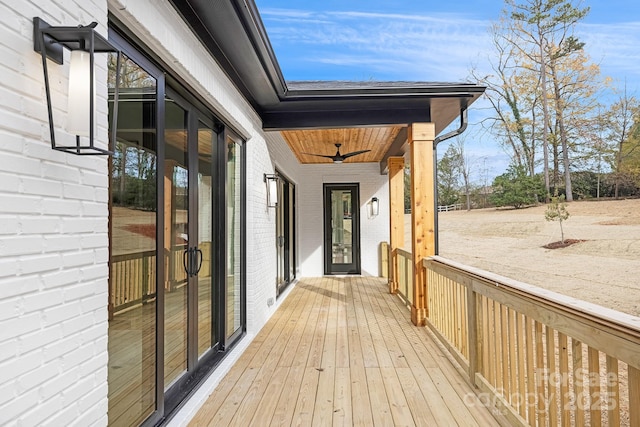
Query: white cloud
(616,47)
(395,46)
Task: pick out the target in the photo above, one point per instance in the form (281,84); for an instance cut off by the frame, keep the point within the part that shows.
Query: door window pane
(341,227)
(206,142)
(132,278)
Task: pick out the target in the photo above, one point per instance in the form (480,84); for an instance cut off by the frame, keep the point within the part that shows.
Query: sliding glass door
(176,285)
(191,304)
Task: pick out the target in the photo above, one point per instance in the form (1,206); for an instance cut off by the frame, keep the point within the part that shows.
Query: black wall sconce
(83,42)
(272,189)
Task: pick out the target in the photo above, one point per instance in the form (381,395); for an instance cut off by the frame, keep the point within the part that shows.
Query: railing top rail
(403,252)
(593,312)
(132,255)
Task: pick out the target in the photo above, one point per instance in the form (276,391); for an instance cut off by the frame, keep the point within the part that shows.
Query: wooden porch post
(396,217)
(421,136)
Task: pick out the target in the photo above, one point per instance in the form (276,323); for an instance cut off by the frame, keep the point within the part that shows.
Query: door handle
(199,262)
(193,263)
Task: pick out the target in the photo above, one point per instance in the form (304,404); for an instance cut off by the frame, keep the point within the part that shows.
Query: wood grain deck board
(358,362)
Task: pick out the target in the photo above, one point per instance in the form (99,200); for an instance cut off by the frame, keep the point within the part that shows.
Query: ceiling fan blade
(354,153)
(320,155)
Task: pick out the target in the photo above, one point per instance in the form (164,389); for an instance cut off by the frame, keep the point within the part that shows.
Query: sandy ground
(604,269)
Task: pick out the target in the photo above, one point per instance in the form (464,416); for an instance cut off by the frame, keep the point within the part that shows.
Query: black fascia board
(234,35)
(366,109)
(290,120)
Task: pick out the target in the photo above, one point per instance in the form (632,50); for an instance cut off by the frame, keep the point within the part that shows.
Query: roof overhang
(234,34)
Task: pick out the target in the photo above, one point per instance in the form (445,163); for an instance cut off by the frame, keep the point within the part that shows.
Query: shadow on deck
(342,351)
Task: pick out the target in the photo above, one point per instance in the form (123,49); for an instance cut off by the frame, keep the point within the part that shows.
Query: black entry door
(341,229)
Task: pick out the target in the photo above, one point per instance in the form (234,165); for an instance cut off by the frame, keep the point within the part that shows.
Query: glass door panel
(206,142)
(176,241)
(341,227)
(133,220)
(233,286)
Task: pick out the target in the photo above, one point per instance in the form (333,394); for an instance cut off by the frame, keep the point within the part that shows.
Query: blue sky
(418,40)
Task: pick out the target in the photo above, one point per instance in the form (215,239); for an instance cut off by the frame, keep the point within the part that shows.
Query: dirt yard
(603,269)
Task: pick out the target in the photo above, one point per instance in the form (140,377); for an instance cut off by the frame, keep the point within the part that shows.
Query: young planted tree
(557,211)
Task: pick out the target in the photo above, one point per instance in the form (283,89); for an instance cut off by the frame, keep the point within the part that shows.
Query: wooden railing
(133,277)
(538,357)
(402,265)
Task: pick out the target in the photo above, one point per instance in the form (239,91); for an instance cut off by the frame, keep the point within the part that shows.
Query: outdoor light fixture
(375,207)
(83,42)
(272,189)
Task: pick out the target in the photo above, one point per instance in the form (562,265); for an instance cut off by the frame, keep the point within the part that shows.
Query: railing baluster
(514,392)
(565,413)
(541,377)
(504,336)
(578,382)
(595,412)
(554,389)
(522,360)
(531,384)
(612,399)
(634,395)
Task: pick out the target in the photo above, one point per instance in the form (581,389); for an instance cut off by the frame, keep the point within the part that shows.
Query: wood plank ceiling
(322,141)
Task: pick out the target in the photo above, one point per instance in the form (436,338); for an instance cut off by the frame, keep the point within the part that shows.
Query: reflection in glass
(206,142)
(341,227)
(233,236)
(132,278)
(176,206)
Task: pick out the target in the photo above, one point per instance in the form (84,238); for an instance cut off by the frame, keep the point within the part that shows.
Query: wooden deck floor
(342,351)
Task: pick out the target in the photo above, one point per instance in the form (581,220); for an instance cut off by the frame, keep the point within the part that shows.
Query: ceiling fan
(339,158)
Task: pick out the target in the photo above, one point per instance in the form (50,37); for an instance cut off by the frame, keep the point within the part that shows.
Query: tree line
(568,130)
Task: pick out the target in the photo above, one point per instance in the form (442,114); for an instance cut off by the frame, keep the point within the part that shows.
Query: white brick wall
(53,237)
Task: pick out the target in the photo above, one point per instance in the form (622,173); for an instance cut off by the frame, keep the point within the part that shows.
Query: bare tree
(622,120)
(509,92)
(464,167)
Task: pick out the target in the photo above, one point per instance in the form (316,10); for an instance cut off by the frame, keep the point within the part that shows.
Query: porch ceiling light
(83,42)
(272,189)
